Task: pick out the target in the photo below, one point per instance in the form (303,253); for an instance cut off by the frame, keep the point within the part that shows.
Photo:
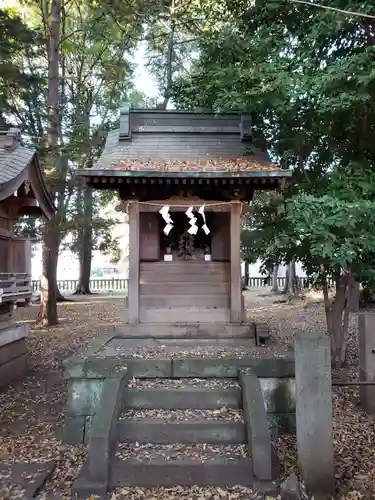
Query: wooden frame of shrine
(176,172)
(22,192)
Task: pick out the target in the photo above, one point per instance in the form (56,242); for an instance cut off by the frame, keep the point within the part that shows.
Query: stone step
(199,275)
(182,399)
(186,265)
(187,330)
(179,464)
(184,383)
(183,300)
(182,288)
(184,314)
(223,426)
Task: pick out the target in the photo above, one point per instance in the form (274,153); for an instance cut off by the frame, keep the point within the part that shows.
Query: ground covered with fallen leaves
(32,409)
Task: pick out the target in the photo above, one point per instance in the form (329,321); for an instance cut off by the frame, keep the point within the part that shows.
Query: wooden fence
(96,285)
(114,284)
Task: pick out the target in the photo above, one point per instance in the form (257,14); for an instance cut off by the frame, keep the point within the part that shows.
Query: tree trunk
(48,306)
(85,245)
(354,296)
(47,315)
(337,316)
(275,286)
(291,286)
(246,275)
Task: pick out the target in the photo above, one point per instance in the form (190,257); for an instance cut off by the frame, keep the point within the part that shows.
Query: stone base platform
(187,330)
(177,359)
(14,361)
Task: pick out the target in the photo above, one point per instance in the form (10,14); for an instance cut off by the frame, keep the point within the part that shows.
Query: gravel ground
(178,383)
(31,410)
(202,452)
(184,415)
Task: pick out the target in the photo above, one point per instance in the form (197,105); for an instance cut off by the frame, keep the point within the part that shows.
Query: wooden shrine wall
(149,244)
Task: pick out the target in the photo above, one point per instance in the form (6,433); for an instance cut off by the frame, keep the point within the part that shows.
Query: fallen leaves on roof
(241,164)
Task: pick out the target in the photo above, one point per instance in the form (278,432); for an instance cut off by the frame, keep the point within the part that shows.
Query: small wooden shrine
(184,178)
(22,192)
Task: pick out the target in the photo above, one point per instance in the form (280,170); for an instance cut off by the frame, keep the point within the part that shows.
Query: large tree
(307,76)
(83,62)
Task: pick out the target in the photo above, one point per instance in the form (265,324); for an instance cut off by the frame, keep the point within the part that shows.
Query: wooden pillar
(133,289)
(235,264)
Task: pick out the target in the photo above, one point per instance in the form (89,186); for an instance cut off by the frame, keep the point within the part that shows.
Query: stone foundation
(87,373)
(14,360)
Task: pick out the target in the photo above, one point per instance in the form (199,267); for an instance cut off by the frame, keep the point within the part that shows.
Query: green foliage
(308,78)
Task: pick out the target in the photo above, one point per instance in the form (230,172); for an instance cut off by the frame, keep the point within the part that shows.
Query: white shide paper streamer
(204,227)
(194,228)
(164,212)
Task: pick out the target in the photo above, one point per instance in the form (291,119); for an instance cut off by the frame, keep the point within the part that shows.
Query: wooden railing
(121,284)
(96,285)
(15,286)
(260,281)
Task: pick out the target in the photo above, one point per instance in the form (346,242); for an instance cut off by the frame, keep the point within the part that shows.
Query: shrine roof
(154,142)
(20,165)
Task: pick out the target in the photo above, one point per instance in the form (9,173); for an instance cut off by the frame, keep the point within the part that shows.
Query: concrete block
(366,330)
(161,432)
(258,434)
(314,412)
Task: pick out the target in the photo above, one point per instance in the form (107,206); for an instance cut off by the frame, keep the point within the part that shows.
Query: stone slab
(25,479)
(184,472)
(228,367)
(152,368)
(187,330)
(122,346)
(258,433)
(183,398)
(14,333)
(161,432)
(74,366)
(102,439)
(84,396)
(314,412)
(12,350)
(73,430)
(14,369)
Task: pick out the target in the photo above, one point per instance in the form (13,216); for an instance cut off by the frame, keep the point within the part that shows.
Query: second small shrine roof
(169,143)
(19,168)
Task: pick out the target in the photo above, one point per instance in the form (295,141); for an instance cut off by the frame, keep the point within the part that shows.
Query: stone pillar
(133,289)
(235,264)
(366,329)
(314,412)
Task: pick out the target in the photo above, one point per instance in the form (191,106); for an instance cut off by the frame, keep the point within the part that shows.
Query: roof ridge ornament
(10,139)
(125,125)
